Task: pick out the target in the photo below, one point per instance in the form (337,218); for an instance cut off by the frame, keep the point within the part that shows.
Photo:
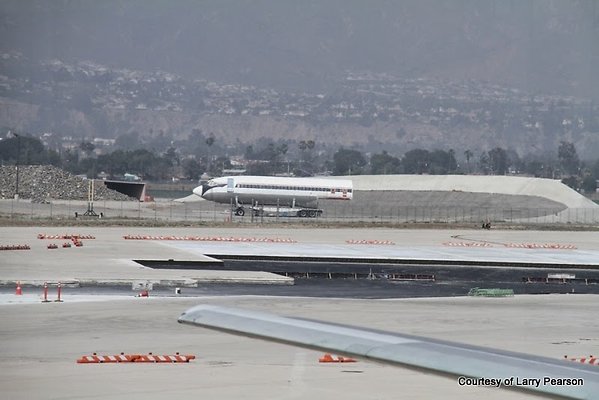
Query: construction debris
(42,183)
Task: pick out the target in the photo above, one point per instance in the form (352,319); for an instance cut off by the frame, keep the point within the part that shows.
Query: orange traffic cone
(19,291)
(327,358)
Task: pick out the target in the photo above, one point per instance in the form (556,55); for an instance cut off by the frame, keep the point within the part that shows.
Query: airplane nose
(199,191)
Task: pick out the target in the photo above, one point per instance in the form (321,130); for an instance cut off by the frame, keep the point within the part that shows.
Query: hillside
(381,75)
(544,46)
(377,112)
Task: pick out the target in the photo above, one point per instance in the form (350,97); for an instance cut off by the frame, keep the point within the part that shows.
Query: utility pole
(18,159)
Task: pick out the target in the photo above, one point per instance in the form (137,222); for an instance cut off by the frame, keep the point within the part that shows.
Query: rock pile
(42,183)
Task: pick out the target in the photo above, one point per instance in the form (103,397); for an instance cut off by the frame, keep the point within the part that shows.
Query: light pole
(18,157)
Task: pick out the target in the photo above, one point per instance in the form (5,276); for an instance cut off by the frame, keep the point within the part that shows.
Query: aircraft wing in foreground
(499,368)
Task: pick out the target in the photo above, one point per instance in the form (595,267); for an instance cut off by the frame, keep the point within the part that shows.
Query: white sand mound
(192,198)
(510,185)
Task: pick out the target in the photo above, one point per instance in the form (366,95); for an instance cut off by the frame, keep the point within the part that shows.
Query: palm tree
(468,154)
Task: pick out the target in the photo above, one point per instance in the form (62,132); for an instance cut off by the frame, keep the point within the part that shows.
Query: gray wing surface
(443,357)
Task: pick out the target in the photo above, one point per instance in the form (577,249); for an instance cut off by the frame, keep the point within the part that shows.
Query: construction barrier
(555,246)
(551,246)
(468,244)
(15,247)
(136,358)
(58,293)
(385,242)
(592,360)
(66,236)
(209,238)
(45,298)
(328,358)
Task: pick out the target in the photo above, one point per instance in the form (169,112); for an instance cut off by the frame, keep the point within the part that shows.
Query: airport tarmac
(109,258)
(41,342)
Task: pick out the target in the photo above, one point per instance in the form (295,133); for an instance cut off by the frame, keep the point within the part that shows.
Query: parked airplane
(294,196)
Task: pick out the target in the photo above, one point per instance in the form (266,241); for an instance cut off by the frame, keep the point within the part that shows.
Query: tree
(171,156)
(384,164)
(87,147)
(282,148)
(468,154)
(572,182)
(416,161)
(498,161)
(210,140)
(589,184)
(442,162)
(191,169)
(484,162)
(568,157)
(348,162)
(25,150)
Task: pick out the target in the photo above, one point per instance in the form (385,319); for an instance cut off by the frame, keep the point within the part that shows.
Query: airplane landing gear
(240,212)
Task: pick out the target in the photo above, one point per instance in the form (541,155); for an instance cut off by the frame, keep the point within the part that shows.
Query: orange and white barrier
(328,358)
(66,236)
(15,247)
(468,244)
(556,246)
(385,242)
(584,360)
(177,358)
(135,358)
(96,359)
(210,239)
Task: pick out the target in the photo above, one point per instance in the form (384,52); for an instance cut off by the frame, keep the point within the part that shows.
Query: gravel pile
(42,183)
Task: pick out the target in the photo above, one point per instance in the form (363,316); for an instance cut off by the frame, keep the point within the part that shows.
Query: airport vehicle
(470,365)
(266,195)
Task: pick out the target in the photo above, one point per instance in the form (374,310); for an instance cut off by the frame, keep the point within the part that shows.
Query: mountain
(392,75)
(544,46)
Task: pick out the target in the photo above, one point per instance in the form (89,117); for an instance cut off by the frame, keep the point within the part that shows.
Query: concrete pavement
(40,342)
(109,258)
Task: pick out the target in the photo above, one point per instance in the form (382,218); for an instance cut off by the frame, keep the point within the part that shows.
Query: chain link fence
(341,212)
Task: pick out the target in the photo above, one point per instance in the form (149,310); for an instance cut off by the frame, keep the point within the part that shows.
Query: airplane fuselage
(269,190)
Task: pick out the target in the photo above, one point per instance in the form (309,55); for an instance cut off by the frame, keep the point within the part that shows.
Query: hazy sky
(542,45)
